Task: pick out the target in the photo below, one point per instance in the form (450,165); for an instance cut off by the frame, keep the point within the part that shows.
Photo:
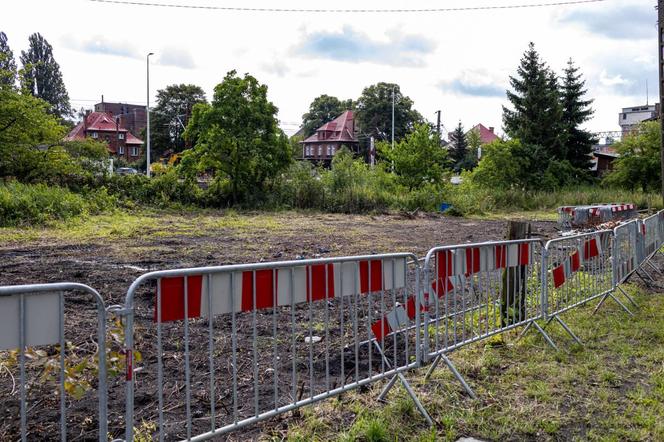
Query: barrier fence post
(34,315)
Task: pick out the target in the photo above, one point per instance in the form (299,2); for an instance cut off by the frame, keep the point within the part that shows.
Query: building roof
(486,135)
(341,129)
(101,122)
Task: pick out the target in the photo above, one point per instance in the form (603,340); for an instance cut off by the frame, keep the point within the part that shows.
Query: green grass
(156,223)
(611,388)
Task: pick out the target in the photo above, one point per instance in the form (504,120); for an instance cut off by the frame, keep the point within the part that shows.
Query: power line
(363,11)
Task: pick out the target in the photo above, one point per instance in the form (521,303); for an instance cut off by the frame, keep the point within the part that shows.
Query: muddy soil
(110,265)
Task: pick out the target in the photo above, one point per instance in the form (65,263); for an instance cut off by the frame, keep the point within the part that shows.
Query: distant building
(330,137)
(487,135)
(103,126)
(630,117)
(602,159)
(132,116)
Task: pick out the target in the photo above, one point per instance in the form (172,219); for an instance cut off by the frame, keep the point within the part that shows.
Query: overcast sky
(458,62)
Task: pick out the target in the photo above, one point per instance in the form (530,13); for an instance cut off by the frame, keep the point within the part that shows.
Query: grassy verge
(612,388)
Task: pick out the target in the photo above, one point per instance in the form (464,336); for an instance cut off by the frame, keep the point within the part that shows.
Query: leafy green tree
(536,114)
(7,63)
(42,78)
(25,124)
(237,139)
(504,165)
(418,159)
(374,112)
(459,146)
(323,109)
(170,116)
(639,162)
(474,141)
(576,111)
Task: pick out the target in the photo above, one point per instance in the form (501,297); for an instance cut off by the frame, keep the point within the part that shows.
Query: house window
(624,116)
(134,151)
(121,150)
(95,135)
(320,150)
(120,136)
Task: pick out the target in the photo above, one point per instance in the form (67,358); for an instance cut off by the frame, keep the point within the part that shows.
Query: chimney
(102,98)
(491,129)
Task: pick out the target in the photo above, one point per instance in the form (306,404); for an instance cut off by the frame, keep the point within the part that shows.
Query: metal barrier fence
(33,320)
(625,254)
(474,291)
(258,340)
(587,216)
(576,269)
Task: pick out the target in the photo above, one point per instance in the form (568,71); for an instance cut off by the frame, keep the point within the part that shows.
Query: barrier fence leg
(405,384)
(629,298)
(649,262)
(545,336)
(567,329)
(610,295)
(599,304)
(387,388)
(644,279)
(432,368)
(523,332)
(457,375)
(621,304)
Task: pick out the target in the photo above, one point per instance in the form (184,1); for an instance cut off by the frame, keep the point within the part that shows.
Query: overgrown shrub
(22,204)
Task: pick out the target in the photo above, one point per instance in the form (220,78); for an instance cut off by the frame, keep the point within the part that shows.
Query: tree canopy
(170,116)
(459,147)
(42,77)
(374,112)
(639,162)
(7,62)
(536,114)
(576,111)
(323,109)
(418,158)
(237,138)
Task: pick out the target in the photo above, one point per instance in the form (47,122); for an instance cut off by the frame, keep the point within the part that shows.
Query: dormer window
(120,136)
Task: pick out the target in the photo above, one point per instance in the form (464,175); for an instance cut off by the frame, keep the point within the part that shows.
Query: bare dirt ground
(108,253)
(110,260)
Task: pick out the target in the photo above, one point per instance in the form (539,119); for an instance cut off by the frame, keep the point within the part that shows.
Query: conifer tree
(576,111)
(536,117)
(7,63)
(460,146)
(42,77)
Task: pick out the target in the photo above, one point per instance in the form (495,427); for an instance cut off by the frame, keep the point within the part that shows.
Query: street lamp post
(147,152)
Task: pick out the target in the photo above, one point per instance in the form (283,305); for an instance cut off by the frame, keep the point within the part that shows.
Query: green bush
(24,204)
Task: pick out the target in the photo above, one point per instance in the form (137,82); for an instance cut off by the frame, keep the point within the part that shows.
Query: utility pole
(660,46)
(147,152)
(392,117)
(438,123)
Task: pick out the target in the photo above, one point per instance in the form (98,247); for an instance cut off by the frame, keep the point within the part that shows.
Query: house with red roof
(330,137)
(103,126)
(487,135)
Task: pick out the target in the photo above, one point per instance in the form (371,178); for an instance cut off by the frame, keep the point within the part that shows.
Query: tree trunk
(513,294)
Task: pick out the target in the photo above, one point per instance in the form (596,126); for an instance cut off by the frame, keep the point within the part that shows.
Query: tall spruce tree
(42,77)
(576,111)
(7,63)
(536,117)
(459,150)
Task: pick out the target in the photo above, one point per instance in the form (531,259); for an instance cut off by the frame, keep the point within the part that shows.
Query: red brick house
(330,137)
(132,116)
(103,126)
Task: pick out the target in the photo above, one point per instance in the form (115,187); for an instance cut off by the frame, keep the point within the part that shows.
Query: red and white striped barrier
(464,262)
(266,288)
